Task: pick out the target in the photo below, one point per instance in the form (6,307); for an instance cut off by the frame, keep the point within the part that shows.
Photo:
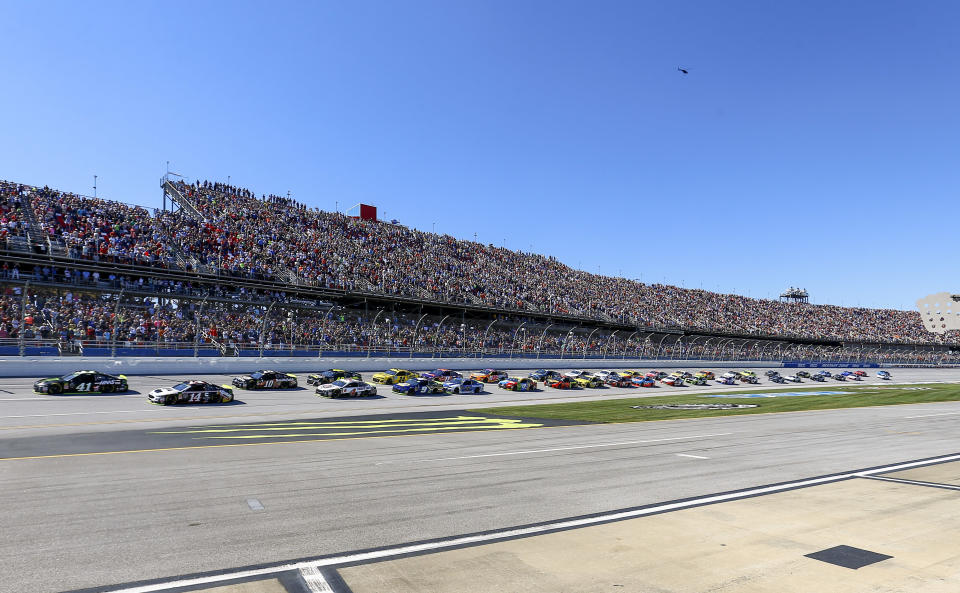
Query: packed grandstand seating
(229,230)
(82,319)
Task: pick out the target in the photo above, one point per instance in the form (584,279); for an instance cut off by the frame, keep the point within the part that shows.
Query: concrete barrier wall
(50,366)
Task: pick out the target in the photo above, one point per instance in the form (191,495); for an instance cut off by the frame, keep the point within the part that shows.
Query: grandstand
(224,272)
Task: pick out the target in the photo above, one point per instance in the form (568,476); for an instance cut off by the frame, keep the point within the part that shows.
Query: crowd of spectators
(13,220)
(231,230)
(80,317)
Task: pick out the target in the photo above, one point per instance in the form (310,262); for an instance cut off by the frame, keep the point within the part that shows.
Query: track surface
(93,520)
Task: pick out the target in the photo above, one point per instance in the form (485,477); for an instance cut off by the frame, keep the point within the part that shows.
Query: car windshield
(339,383)
(256,375)
(181,386)
(71,376)
(391,372)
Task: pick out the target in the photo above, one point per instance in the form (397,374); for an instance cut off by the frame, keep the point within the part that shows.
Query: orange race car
(489,376)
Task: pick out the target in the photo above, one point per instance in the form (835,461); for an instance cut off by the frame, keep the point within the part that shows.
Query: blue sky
(812,144)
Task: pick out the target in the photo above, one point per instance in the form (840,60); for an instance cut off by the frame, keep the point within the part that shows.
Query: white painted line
(254,504)
(696,436)
(314,580)
(931,415)
(692,456)
(522,532)
(914,482)
(83,413)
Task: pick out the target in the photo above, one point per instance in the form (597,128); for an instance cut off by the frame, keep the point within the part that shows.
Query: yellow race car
(587,381)
(393,376)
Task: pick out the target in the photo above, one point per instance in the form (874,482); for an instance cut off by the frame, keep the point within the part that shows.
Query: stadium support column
(540,343)
(113,326)
(196,331)
(23,317)
(373,327)
(263,328)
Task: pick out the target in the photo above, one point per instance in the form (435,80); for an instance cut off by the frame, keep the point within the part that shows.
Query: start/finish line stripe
(311,567)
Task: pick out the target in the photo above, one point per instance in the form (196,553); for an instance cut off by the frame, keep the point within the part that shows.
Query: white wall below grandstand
(49,366)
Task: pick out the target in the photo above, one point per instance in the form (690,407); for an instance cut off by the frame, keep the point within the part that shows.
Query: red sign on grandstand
(363,212)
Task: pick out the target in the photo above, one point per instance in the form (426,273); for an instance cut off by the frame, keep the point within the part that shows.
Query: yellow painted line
(345,425)
(334,421)
(405,430)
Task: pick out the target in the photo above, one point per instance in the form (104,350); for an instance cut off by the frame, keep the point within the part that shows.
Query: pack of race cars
(339,383)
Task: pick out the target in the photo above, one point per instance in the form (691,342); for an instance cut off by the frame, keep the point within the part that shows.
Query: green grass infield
(773,401)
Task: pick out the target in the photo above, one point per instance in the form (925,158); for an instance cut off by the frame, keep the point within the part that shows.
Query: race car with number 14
(191,392)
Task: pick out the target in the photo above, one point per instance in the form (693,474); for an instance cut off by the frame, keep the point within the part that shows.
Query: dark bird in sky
(683,70)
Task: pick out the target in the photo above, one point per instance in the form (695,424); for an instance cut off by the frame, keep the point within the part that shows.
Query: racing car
(82,382)
(777,378)
(191,392)
(559,382)
(584,380)
(518,384)
(885,375)
(393,376)
(851,376)
(793,379)
(489,376)
(724,379)
(696,380)
(673,380)
(860,373)
(331,375)
(644,381)
(840,377)
(751,378)
(347,388)
(418,385)
(707,375)
(824,373)
(265,380)
(771,373)
(818,377)
(461,385)
(545,376)
(617,380)
(803,374)
(442,375)
(658,374)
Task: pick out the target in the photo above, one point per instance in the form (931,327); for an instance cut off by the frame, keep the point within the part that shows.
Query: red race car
(561,383)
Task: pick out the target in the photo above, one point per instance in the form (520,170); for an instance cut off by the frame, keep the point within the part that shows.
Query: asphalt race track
(99,491)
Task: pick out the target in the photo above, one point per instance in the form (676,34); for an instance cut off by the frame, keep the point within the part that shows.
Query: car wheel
(226,398)
(106,388)
(169,400)
(54,389)
(457,390)
(293,385)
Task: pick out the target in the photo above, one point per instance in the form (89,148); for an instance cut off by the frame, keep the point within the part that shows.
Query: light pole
(94,186)
(540,343)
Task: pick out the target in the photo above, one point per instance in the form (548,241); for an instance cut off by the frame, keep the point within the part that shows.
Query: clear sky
(812,143)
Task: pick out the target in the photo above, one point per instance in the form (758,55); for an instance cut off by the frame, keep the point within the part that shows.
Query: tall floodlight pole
(94,186)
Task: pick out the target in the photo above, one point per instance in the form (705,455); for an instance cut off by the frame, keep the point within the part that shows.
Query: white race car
(347,388)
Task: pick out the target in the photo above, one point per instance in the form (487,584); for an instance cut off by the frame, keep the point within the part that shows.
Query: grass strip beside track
(619,410)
